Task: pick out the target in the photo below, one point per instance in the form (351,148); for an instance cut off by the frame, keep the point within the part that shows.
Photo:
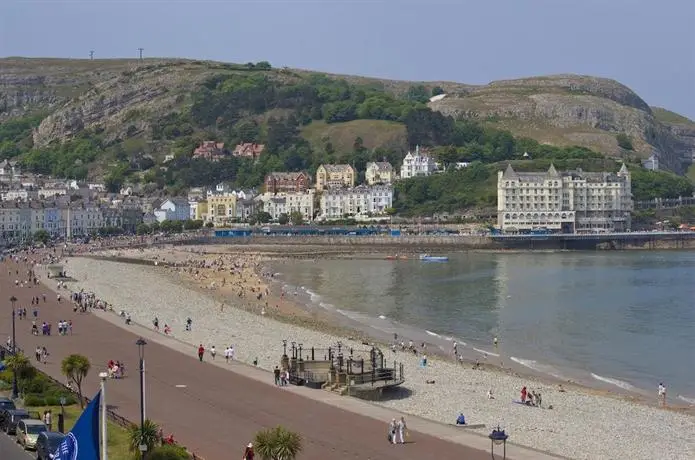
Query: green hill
(118,119)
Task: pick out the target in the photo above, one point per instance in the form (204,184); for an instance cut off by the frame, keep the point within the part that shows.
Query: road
(10,450)
(212,411)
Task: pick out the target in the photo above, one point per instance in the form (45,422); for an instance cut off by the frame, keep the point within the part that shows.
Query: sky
(649,45)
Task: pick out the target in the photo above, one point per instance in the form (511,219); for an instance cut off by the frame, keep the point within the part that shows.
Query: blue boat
(429,258)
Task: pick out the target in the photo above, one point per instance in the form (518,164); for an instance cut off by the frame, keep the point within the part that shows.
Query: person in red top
(201,352)
(248,453)
(523,394)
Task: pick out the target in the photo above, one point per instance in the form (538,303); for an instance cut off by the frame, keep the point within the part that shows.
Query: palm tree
(278,444)
(148,435)
(76,368)
(21,367)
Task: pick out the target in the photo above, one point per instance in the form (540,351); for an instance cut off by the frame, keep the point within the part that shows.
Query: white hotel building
(360,200)
(568,202)
(417,164)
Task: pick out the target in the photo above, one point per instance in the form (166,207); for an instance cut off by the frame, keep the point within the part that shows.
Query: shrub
(168,452)
(34,400)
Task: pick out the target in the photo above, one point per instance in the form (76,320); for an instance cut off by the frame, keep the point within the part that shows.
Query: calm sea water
(625,319)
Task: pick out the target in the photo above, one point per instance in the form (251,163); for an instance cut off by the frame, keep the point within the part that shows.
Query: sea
(621,321)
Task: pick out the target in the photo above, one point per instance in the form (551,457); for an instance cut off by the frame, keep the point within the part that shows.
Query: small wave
(531,364)
(615,382)
(312,295)
(690,401)
(485,352)
(433,334)
(382,317)
(327,306)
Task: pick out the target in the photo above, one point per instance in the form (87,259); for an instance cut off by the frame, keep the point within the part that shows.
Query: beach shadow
(395,393)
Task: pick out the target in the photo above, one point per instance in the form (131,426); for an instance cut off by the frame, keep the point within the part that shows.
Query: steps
(337,388)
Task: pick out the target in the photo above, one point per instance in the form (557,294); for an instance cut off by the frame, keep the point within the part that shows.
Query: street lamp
(498,437)
(141,352)
(284,348)
(15,388)
(102,376)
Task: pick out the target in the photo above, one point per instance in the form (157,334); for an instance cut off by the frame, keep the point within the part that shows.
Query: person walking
(401,427)
(213,352)
(248,452)
(662,394)
(201,352)
(48,419)
(393,426)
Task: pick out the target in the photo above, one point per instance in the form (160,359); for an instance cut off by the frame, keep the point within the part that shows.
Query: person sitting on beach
(167,329)
(461,420)
(489,394)
(523,395)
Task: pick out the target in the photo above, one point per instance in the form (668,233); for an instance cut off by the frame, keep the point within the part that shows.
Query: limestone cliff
(121,98)
(575,110)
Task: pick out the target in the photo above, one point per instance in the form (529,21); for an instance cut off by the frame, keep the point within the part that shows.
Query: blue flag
(82,442)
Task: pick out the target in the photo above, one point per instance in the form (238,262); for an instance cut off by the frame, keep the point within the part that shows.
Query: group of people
(282,376)
(531,398)
(398,431)
(228,352)
(115,369)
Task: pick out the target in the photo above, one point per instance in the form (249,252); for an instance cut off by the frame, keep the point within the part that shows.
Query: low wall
(409,241)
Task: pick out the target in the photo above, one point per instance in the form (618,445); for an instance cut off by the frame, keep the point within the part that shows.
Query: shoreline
(301,310)
(473,385)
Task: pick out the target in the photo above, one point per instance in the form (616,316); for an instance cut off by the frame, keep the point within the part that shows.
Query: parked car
(47,443)
(28,431)
(9,419)
(6,403)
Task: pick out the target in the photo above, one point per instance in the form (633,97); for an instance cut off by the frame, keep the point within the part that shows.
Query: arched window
(506,216)
(564,215)
(513,216)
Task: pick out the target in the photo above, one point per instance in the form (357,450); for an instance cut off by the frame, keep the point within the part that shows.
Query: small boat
(396,257)
(429,258)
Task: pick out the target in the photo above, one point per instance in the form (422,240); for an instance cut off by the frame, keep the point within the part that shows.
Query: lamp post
(15,389)
(284,348)
(141,352)
(102,403)
(498,437)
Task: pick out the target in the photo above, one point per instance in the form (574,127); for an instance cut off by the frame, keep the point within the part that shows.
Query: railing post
(312,353)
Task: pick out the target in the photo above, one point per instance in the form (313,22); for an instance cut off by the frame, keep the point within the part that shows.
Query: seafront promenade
(214,411)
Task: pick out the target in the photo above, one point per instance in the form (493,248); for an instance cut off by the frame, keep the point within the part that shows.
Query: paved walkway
(215,412)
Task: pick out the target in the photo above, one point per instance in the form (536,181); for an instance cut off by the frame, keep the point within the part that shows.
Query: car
(6,403)
(47,443)
(9,419)
(28,431)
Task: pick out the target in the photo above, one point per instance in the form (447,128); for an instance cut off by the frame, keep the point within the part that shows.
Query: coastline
(467,386)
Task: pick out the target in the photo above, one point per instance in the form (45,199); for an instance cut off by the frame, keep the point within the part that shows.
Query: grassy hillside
(117,119)
(666,116)
(374,134)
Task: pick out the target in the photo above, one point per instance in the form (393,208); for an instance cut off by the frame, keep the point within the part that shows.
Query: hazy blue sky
(647,44)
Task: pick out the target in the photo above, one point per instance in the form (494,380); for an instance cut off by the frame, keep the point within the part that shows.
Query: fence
(110,413)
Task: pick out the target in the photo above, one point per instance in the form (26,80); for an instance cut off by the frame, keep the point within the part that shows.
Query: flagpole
(103,376)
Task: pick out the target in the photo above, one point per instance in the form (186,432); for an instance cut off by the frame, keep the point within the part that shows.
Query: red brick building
(248,150)
(210,150)
(277,182)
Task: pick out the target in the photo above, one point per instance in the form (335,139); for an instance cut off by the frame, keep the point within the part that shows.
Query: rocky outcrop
(120,98)
(574,110)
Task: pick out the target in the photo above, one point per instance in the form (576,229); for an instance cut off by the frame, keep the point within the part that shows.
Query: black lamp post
(300,350)
(284,348)
(141,352)
(15,388)
(294,350)
(498,437)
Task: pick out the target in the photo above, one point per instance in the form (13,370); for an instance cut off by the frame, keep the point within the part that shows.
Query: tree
(142,229)
(168,452)
(209,224)
(42,236)
(277,444)
(283,219)
(624,141)
(297,218)
(148,435)
(20,366)
(437,90)
(76,368)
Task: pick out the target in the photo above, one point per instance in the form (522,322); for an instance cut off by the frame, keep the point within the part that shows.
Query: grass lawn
(374,133)
(691,173)
(117,436)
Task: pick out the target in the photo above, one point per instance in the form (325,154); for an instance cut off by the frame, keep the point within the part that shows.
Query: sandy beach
(231,304)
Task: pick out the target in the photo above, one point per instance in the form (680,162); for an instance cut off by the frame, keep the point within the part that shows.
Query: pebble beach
(581,424)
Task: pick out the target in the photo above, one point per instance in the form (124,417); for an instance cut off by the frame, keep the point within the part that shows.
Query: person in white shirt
(213,352)
(662,394)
